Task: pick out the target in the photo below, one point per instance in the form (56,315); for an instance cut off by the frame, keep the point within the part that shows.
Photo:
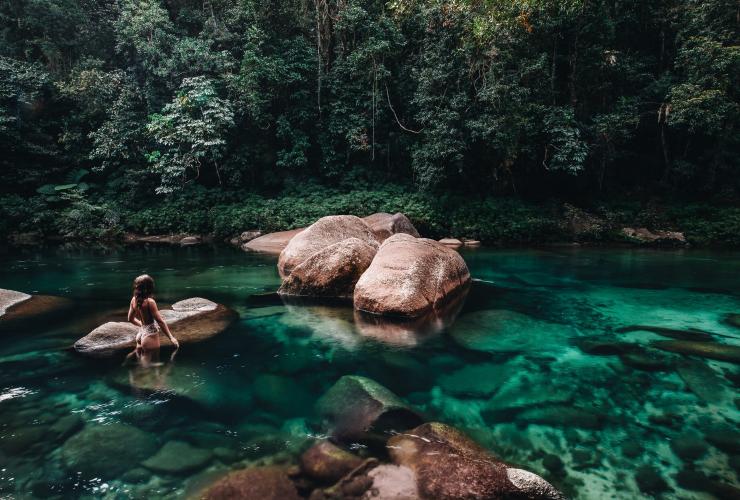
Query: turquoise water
(538,367)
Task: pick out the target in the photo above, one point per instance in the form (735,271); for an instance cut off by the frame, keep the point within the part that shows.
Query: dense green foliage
(110,108)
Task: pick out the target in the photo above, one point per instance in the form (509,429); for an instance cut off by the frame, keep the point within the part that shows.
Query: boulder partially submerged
(410,277)
(190,320)
(20,306)
(272,243)
(358,408)
(323,233)
(385,225)
(330,272)
(448,465)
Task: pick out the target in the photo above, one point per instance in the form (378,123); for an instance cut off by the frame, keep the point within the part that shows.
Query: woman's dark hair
(143,288)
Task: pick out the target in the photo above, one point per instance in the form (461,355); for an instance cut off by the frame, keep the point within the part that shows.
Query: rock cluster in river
(190,320)
(380,262)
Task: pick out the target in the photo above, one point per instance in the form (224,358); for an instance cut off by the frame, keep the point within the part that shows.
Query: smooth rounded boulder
(385,225)
(410,277)
(272,243)
(331,272)
(358,408)
(321,234)
(190,320)
(448,465)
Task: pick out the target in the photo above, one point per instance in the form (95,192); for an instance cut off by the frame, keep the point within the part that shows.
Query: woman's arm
(132,315)
(161,322)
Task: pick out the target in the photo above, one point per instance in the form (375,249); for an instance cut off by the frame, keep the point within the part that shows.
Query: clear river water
(554,364)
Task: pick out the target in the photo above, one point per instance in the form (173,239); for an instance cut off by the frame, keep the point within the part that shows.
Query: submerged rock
(178,457)
(649,480)
(331,271)
(703,381)
(21,306)
(191,320)
(502,330)
(449,465)
(711,350)
(258,483)
(358,408)
(690,334)
(281,394)
(272,243)
(386,225)
(733,319)
(689,447)
(648,360)
(410,277)
(107,451)
(327,462)
(479,380)
(321,234)
(563,416)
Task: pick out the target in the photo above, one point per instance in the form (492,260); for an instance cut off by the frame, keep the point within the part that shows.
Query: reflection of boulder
(256,483)
(329,323)
(270,243)
(331,271)
(386,225)
(191,320)
(321,234)
(449,465)
(358,408)
(21,306)
(409,331)
(410,277)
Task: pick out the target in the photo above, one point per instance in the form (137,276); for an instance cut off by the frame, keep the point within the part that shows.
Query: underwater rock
(257,483)
(650,360)
(479,380)
(331,271)
(272,243)
(281,394)
(562,416)
(20,440)
(600,347)
(327,462)
(711,350)
(449,465)
(724,438)
(107,451)
(649,481)
(393,482)
(178,457)
(733,319)
(20,306)
(502,330)
(190,320)
(358,408)
(66,426)
(707,384)
(689,334)
(689,447)
(386,225)
(553,464)
(694,480)
(321,234)
(410,277)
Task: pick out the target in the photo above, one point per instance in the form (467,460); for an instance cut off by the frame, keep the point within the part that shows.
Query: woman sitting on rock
(143,313)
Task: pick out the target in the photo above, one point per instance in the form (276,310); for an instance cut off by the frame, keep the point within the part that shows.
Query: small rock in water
(689,447)
(178,457)
(475,380)
(632,449)
(326,462)
(554,465)
(666,419)
(649,481)
(19,441)
(136,476)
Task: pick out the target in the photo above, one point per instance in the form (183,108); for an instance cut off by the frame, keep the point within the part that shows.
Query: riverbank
(493,221)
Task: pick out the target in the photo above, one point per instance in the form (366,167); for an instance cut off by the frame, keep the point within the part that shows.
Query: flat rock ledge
(18,305)
(191,320)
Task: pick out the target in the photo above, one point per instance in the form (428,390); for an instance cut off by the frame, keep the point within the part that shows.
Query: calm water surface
(537,367)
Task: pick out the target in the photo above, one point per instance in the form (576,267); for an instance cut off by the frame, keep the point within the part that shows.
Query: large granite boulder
(273,243)
(190,320)
(358,408)
(385,225)
(331,271)
(21,306)
(257,483)
(410,277)
(449,465)
(321,234)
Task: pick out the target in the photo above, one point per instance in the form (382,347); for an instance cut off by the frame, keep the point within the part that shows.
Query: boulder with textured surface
(257,483)
(327,462)
(273,243)
(331,272)
(190,320)
(449,465)
(385,225)
(321,234)
(18,305)
(358,408)
(410,277)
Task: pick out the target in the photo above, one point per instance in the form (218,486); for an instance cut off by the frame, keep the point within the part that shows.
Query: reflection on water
(556,361)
